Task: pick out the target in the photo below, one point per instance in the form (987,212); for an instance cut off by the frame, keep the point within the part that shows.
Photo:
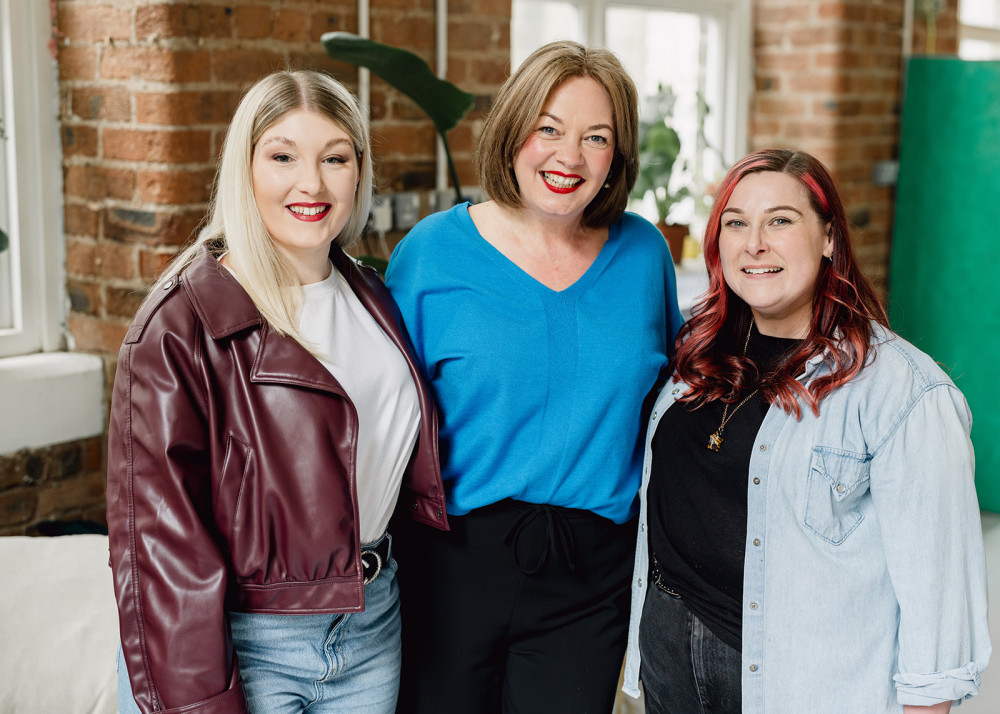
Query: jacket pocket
(838,483)
(232,486)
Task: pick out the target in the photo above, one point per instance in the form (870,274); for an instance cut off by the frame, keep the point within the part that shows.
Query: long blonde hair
(235,225)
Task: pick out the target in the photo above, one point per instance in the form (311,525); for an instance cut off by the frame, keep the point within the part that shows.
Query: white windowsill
(50,398)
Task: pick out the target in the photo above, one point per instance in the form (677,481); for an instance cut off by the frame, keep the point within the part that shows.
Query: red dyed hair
(710,345)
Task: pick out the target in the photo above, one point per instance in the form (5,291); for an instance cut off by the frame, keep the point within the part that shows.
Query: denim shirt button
(654,415)
(676,390)
(756,541)
(841,488)
(753,668)
(753,606)
(763,447)
(639,583)
(756,481)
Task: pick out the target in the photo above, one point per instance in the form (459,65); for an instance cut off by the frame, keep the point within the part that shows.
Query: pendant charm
(715,441)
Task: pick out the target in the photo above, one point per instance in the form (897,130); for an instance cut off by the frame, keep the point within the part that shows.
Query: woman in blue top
(542,318)
(810,536)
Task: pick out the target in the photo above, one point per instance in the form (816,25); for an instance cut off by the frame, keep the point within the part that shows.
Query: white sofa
(58,626)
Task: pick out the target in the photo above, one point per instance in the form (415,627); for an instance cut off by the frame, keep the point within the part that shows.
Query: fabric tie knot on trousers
(541,530)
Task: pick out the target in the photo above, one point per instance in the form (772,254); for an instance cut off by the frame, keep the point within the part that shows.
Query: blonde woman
(266,412)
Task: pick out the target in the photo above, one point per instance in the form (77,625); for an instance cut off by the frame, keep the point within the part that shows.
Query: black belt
(656,576)
(374,557)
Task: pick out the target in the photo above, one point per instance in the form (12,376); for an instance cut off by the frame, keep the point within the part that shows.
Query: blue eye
(547,130)
(734,223)
(598,140)
(281,158)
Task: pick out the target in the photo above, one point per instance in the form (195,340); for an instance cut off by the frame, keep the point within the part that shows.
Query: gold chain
(715,439)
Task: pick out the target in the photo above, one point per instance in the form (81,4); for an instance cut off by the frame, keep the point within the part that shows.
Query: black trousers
(520,609)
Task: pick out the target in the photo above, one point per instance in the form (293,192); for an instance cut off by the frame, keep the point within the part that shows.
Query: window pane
(979,50)
(984,13)
(679,51)
(534,23)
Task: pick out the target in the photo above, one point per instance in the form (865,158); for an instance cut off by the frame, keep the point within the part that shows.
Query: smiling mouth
(560,183)
(309,211)
(310,214)
(761,271)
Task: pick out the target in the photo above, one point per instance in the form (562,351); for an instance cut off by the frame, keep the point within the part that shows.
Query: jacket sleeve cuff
(229,702)
(926,689)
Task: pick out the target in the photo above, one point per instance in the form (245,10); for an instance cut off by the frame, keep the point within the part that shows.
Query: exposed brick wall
(62,482)
(147,89)
(828,81)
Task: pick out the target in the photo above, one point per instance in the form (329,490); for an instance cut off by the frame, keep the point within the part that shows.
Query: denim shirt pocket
(838,481)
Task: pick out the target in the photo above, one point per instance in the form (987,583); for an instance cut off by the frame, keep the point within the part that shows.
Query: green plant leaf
(3,241)
(443,102)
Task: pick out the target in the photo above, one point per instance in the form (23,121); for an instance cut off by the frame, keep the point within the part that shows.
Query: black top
(697,500)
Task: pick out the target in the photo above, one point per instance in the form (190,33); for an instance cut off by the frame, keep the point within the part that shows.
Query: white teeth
(760,271)
(560,181)
(307,210)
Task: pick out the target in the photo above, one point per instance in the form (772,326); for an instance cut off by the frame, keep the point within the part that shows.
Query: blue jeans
(685,668)
(316,663)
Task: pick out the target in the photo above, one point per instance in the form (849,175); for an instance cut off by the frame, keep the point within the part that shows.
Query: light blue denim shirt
(864,577)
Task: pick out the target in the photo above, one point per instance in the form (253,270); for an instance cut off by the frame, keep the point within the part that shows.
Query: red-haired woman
(809,532)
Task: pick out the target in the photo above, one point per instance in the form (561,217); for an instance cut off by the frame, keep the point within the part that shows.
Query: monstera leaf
(441,100)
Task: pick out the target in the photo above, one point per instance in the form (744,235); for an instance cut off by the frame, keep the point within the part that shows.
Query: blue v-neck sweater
(539,390)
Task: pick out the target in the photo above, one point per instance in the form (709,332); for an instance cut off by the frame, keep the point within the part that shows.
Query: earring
(607,180)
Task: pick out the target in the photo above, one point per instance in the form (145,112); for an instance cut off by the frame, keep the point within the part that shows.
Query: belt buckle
(377,565)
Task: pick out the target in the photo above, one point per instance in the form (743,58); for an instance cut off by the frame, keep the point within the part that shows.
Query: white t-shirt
(373,372)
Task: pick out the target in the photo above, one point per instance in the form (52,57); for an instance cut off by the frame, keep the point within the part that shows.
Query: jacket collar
(225,308)
(222,304)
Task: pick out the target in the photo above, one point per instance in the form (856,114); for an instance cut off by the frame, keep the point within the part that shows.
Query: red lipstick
(312,211)
(562,189)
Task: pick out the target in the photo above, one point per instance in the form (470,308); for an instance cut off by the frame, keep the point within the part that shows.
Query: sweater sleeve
(170,575)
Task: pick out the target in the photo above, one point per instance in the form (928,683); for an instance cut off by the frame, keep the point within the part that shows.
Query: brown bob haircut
(519,103)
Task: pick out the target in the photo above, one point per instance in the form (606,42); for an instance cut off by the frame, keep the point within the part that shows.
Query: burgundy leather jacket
(231,481)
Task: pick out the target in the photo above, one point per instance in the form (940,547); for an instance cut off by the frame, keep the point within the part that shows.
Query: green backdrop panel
(944,283)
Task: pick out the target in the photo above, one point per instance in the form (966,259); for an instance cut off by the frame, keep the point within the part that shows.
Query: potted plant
(659,148)
(3,241)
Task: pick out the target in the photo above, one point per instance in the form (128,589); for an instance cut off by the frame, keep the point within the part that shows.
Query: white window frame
(736,32)
(735,29)
(49,396)
(33,183)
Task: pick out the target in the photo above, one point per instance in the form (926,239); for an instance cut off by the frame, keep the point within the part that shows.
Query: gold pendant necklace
(715,440)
